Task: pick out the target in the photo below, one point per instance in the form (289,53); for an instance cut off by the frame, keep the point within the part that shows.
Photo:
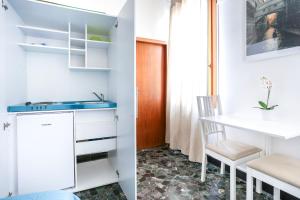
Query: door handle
(5,125)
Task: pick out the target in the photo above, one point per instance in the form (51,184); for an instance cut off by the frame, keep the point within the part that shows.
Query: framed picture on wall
(272,28)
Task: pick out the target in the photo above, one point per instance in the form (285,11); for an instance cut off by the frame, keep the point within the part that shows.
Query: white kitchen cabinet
(95,132)
(39,72)
(45,152)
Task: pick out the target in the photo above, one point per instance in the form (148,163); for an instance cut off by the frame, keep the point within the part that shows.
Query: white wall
(240,87)
(152,19)
(49,79)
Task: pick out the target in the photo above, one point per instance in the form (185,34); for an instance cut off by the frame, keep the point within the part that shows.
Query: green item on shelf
(99,38)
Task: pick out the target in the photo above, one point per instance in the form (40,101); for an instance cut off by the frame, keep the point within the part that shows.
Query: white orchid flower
(268,85)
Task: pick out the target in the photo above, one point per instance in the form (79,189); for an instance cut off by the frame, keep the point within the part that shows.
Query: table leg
(268,145)
(258,187)
(268,152)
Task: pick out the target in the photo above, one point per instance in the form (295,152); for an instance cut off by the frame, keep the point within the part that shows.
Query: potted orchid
(264,105)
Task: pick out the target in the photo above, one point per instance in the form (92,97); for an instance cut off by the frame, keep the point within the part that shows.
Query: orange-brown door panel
(151,84)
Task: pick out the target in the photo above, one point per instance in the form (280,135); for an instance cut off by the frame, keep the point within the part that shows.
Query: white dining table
(271,129)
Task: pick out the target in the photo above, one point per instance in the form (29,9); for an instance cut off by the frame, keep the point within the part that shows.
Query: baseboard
(266,187)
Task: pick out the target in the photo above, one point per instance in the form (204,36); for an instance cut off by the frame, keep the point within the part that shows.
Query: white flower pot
(267,115)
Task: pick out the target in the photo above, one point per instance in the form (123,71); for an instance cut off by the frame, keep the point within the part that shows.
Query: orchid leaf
(263,104)
(272,107)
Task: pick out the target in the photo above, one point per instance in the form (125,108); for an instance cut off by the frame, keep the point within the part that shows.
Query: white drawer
(96,146)
(95,124)
(95,129)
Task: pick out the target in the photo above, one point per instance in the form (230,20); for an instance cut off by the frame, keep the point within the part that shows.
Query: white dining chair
(280,171)
(227,151)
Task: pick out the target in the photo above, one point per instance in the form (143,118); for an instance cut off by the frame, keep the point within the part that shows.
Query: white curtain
(187,75)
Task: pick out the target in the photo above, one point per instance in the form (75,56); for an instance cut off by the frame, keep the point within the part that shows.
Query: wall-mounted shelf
(77,51)
(97,44)
(77,42)
(90,43)
(43,49)
(91,68)
(43,32)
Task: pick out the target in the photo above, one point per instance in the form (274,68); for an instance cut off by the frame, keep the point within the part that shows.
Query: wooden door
(151,86)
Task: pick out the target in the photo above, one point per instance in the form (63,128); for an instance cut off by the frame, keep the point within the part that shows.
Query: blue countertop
(67,105)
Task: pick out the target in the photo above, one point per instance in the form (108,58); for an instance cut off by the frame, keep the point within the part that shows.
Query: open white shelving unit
(86,54)
(68,32)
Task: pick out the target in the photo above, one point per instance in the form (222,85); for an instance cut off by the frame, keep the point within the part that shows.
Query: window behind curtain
(212,47)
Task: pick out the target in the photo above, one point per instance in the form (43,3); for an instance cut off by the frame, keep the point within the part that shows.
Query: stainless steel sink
(84,102)
(92,102)
(67,103)
(44,103)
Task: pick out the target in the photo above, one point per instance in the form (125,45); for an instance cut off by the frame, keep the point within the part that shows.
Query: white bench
(280,171)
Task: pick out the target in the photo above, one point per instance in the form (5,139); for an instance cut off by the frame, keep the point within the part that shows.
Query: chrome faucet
(100,97)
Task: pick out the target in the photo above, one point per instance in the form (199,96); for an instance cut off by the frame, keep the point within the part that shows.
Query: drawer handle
(46,124)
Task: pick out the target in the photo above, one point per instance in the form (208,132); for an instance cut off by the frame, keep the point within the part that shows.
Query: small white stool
(282,172)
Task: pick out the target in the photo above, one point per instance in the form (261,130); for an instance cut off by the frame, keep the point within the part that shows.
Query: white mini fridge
(45,152)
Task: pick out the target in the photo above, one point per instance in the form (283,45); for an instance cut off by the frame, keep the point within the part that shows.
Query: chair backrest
(209,106)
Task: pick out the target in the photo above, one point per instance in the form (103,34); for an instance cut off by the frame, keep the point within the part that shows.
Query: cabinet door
(4,158)
(4,136)
(45,152)
(3,63)
(122,90)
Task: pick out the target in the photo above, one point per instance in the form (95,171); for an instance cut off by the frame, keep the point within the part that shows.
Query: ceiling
(110,7)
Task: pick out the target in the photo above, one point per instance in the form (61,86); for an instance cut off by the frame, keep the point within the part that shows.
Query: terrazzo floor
(166,174)
(108,192)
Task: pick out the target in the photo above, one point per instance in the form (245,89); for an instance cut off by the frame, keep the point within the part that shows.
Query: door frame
(165,45)
(152,41)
